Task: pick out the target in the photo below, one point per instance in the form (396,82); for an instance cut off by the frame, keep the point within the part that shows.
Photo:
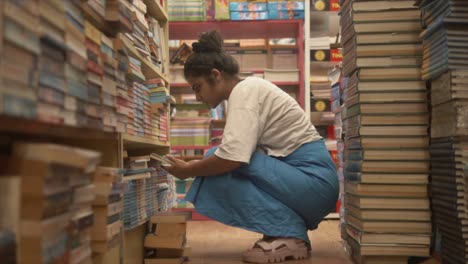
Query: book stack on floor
(107,207)
(20,52)
(444,41)
(386,132)
(54,217)
(167,241)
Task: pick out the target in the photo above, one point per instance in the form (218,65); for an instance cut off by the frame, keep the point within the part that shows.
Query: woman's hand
(180,169)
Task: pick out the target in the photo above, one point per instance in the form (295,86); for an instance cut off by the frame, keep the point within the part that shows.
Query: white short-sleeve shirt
(262,116)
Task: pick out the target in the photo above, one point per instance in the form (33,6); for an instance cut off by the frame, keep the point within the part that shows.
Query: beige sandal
(277,250)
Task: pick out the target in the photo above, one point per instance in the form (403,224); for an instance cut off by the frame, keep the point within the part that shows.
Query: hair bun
(209,42)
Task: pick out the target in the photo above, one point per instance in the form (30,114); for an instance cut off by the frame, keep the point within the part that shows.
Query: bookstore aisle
(92,95)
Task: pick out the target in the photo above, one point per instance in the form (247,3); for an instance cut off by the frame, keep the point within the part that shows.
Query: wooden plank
(134,245)
(23,126)
(155,10)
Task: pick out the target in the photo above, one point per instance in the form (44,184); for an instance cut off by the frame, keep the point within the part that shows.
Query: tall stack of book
(159,181)
(445,66)
(134,75)
(157,47)
(94,75)
(51,62)
(141,110)
(47,172)
(82,217)
(159,96)
(386,139)
(137,170)
(107,208)
(140,29)
(167,242)
(20,52)
(109,85)
(124,104)
(75,68)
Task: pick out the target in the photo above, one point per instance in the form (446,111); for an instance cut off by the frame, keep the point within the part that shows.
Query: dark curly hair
(208,54)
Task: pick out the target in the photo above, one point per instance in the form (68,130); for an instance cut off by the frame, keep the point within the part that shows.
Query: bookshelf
(157,11)
(148,68)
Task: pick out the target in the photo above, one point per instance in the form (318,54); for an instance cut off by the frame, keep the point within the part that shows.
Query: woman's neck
(230,84)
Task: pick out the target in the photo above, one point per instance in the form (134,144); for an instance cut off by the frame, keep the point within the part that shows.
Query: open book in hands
(164,161)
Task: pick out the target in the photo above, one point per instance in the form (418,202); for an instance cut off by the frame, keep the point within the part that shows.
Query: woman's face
(205,91)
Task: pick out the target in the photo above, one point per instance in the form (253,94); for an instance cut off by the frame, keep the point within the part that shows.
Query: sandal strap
(265,246)
(290,243)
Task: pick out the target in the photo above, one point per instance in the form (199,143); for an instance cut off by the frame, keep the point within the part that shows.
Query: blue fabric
(280,197)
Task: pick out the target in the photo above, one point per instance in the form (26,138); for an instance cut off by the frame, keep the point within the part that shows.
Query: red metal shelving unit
(246,30)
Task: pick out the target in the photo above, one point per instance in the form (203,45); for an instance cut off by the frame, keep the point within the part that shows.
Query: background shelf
(237,29)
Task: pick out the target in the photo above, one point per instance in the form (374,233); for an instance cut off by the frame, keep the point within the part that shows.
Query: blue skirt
(280,197)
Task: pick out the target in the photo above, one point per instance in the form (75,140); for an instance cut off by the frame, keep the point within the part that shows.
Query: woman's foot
(276,249)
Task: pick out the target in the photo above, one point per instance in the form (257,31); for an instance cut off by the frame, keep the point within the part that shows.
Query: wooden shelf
(149,70)
(237,29)
(131,142)
(24,126)
(98,21)
(156,10)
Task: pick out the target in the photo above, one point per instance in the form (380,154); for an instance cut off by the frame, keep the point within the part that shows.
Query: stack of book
(139,35)
(109,85)
(444,42)
(48,199)
(94,75)
(160,186)
(159,95)
(167,242)
(107,208)
(157,47)
(82,217)
(124,104)
(75,68)
(386,132)
(20,52)
(137,170)
(51,90)
(142,109)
